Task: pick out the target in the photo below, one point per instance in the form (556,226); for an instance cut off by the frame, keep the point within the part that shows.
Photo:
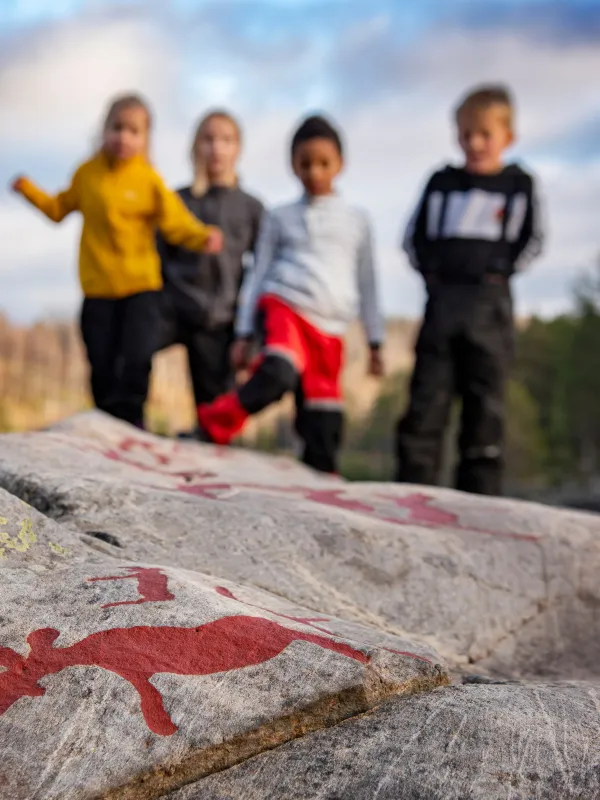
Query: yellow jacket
(122,206)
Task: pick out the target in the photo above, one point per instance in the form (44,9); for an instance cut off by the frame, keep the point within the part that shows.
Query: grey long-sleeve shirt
(315,254)
(205,287)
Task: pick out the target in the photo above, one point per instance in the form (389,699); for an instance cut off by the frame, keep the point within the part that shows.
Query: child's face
(218,148)
(484,135)
(317,163)
(126,134)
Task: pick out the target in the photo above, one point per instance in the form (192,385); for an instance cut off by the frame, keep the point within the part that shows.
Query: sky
(388,71)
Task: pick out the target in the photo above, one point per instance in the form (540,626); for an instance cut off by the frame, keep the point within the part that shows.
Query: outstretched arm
(55,207)
(180,227)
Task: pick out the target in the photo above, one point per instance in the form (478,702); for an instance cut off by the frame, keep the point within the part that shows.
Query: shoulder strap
(445,191)
(442,215)
(508,206)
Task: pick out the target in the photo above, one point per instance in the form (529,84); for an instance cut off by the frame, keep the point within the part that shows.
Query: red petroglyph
(304,620)
(310,622)
(130,445)
(151,584)
(124,453)
(137,654)
(326,497)
(331,497)
(421,512)
(211,491)
(128,450)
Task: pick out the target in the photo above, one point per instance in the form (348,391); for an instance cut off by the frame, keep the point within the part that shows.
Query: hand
(430,280)
(17,184)
(239,354)
(214,243)
(495,279)
(376,363)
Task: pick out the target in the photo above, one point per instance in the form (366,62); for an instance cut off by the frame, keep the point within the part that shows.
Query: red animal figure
(420,511)
(152,586)
(136,654)
(125,452)
(131,444)
(310,621)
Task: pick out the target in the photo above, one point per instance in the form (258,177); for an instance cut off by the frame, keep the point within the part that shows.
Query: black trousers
(207,351)
(319,428)
(120,337)
(464,349)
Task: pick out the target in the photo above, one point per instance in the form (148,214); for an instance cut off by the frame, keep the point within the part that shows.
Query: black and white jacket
(466,226)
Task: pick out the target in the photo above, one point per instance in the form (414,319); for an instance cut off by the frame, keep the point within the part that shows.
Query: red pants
(296,356)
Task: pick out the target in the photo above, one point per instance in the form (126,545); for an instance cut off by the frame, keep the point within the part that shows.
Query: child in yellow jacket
(123,202)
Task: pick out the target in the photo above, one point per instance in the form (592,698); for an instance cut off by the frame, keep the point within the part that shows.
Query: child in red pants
(313,273)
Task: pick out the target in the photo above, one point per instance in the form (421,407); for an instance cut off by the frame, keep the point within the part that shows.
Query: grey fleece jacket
(204,288)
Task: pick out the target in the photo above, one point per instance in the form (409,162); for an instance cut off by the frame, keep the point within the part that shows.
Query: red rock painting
(151,585)
(417,508)
(310,621)
(136,453)
(224,592)
(137,654)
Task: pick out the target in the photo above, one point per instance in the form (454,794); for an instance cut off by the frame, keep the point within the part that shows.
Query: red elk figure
(136,654)
(152,585)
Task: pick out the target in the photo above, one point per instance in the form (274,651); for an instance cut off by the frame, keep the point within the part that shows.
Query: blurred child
(474,227)
(313,272)
(122,201)
(201,290)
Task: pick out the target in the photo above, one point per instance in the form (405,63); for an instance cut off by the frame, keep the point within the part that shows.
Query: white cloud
(53,90)
(548,76)
(54,84)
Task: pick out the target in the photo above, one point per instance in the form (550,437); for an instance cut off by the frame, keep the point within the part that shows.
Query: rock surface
(136,678)
(492,742)
(29,539)
(172,610)
(510,585)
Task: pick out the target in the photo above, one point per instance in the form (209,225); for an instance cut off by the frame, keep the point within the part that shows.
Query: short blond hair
(484,97)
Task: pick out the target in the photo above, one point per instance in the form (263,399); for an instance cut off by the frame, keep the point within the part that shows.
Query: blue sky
(388,71)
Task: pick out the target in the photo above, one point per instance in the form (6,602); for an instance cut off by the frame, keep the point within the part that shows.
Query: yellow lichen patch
(3,521)
(20,543)
(58,549)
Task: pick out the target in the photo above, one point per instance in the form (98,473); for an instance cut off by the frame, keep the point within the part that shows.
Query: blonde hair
(217,113)
(124,102)
(201,182)
(483,98)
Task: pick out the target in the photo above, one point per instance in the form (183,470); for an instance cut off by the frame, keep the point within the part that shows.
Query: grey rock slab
(94,431)
(29,539)
(122,680)
(474,577)
(500,742)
